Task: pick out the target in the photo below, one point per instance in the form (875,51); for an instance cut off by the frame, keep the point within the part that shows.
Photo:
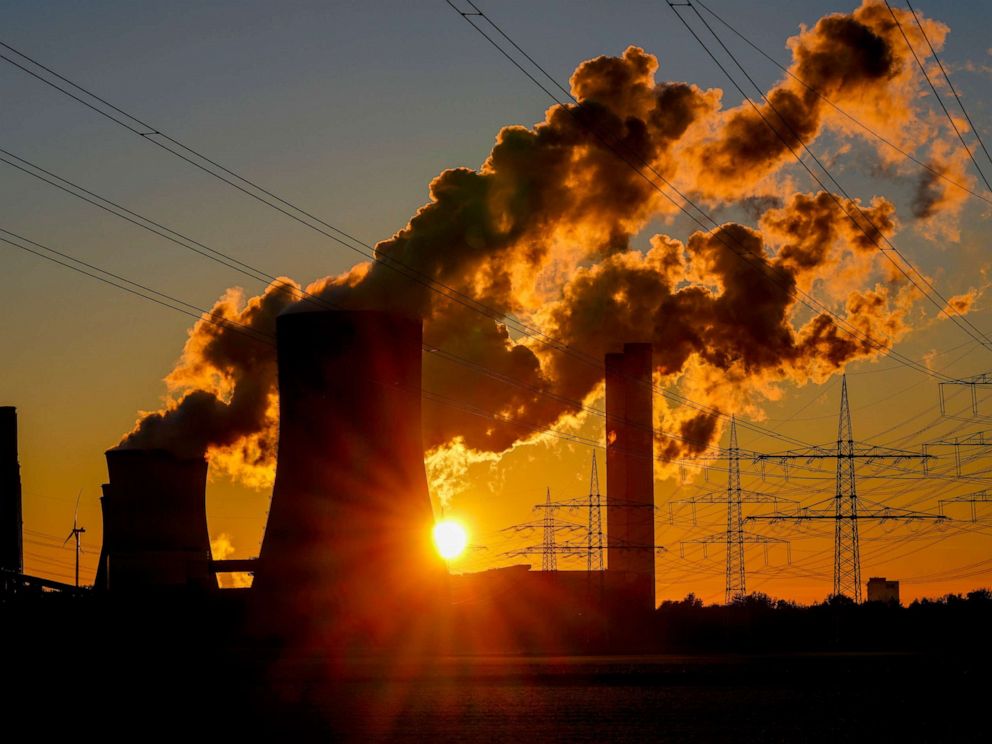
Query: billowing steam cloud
(542,232)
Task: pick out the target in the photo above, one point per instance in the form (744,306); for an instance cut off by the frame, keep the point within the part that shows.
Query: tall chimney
(154,523)
(347,555)
(11,541)
(630,477)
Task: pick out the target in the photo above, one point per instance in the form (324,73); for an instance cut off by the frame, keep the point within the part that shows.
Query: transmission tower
(735,537)
(735,521)
(983,380)
(847,511)
(594,559)
(549,558)
(972,499)
(847,550)
(978,443)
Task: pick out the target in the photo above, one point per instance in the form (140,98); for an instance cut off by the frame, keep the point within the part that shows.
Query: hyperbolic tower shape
(154,523)
(847,552)
(347,557)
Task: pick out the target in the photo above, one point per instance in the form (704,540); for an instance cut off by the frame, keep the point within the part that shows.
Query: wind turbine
(76,532)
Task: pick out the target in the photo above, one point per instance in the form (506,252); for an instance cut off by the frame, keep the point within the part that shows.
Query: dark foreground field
(166,675)
(816,697)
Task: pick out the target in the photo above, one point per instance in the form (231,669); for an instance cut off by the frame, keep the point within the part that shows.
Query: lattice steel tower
(549,559)
(594,560)
(735,521)
(847,552)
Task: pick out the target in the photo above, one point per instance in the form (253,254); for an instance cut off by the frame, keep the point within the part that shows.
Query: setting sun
(450,539)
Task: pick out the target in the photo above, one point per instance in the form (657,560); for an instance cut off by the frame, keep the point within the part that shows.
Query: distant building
(882,590)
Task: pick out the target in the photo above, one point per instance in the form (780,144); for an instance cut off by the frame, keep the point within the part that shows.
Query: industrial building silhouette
(346,560)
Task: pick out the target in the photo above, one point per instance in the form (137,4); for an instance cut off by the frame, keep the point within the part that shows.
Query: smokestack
(11,541)
(630,477)
(154,522)
(348,545)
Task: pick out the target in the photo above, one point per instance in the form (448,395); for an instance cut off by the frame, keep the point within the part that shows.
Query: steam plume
(543,230)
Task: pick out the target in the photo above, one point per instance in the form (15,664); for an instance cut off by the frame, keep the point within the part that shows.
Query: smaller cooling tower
(11,545)
(347,556)
(154,523)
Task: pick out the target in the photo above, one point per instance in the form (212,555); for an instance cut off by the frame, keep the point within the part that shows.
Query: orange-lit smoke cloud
(223,389)
(542,232)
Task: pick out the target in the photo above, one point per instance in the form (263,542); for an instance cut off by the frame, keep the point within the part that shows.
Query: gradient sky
(350,109)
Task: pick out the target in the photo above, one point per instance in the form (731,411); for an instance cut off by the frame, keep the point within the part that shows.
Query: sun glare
(450,539)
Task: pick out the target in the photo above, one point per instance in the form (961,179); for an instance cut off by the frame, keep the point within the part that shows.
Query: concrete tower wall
(154,522)
(347,551)
(630,476)
(11,540)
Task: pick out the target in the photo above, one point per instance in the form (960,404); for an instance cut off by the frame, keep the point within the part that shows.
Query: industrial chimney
(347,557)
(11,545)
(630,478)
(154,523)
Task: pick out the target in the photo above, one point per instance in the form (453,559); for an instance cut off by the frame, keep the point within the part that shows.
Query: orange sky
(83,359)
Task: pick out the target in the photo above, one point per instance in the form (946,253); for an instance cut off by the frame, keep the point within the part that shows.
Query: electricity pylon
(735,536)
(594,558)
(847,512)
(549,558)
(983,380)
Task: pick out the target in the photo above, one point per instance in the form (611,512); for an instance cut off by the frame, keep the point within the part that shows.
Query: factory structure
(347,552)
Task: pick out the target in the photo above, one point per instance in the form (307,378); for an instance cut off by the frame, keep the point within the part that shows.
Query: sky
(350,110)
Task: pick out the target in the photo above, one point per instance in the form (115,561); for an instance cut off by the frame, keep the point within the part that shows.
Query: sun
(450,539)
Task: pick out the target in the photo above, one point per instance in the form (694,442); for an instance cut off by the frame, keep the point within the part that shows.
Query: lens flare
(450,539)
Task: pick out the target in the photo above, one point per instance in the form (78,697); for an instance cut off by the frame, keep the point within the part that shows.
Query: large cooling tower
(11,545)
(630,477)
(154,523)
(347,554)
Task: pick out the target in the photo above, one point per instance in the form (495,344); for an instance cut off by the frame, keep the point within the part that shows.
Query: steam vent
(154,523)
(347,554)
(630,478)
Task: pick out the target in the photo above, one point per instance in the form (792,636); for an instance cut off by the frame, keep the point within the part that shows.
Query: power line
(173,303)
(761,268)
(940,100)
(943,307)
(909,156)
(149,132)
(947,78)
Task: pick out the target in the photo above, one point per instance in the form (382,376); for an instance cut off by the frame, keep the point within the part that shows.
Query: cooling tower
(154,523)
(630,477)
(11,545)
(347,556)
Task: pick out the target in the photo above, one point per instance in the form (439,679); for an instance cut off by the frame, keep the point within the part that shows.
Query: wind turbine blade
(75,514)
(68,538)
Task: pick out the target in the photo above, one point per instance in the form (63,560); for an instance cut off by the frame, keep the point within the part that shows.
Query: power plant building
(11,545)
(881,589)
(630,478)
